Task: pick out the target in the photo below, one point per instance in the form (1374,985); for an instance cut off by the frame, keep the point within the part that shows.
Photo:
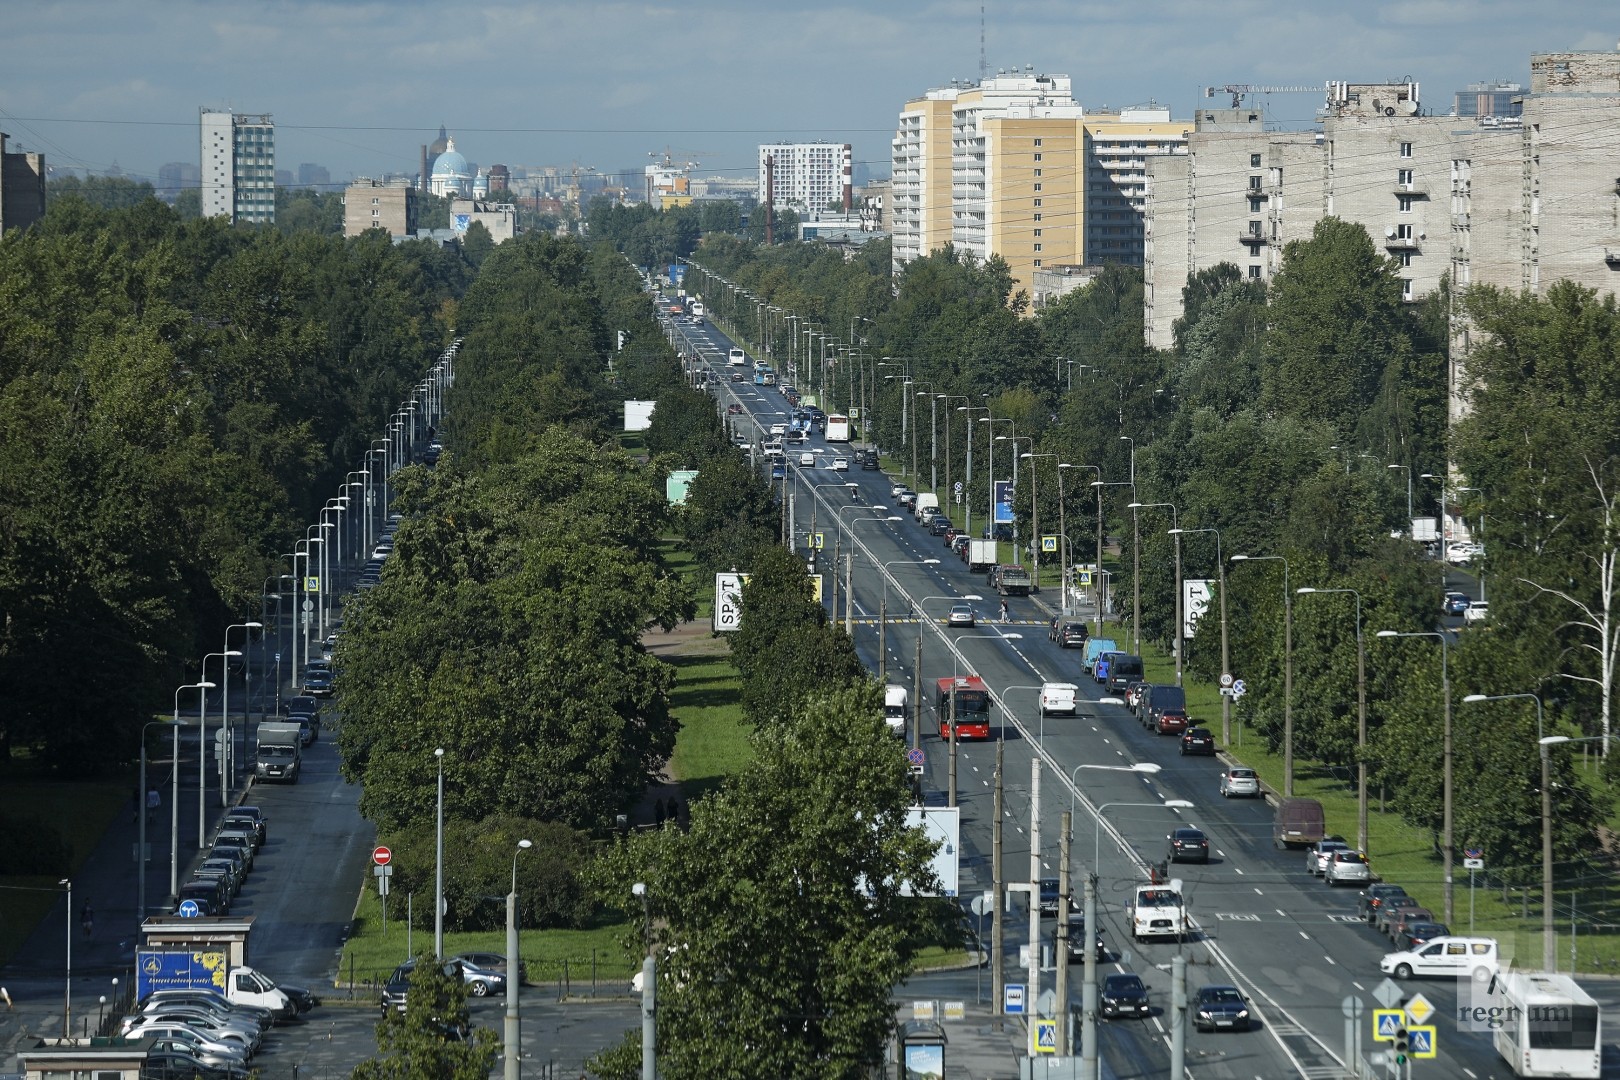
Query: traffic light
(1403,1042)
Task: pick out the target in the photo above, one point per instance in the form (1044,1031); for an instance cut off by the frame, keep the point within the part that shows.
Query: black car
(1049,896)
(1124,995)
(1077,941)
(1220,1008)
(1071,635)
(1368,900)
(318,683)
(1419,933)
(209,894)
(869,462)
(1188,844)
(1198,741)
(939,525)
(174,1065)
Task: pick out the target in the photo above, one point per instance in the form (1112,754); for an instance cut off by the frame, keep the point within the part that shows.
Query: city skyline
(359,87)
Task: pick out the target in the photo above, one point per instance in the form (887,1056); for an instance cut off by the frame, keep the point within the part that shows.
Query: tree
(431,1037)
(779,919)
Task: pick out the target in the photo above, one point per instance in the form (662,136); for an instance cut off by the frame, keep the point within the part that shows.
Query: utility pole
(1065,1036)
(998,891)
(1032,990)
(883,656)
(916,695)
(950,799)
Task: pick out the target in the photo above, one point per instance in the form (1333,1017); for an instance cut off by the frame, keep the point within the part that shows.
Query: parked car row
(198,1033)
(484,973)
(219,878)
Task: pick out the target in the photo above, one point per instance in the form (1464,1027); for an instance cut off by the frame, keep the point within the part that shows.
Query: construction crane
(1239,91)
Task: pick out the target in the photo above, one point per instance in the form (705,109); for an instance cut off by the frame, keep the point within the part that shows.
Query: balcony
(1611,256)
(1256,193)
(1253,238)
(1416,190)
(1401,243)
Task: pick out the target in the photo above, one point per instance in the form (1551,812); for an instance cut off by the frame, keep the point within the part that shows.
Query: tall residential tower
(238,166)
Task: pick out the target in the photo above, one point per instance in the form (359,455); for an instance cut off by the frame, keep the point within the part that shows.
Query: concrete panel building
(22,188)
(807,176)
(920,181)
(378,204)
(238,166)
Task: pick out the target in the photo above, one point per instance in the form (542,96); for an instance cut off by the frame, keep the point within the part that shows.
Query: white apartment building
(806,176)
(238,166)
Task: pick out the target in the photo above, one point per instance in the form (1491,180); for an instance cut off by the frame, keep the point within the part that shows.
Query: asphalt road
(1294,945)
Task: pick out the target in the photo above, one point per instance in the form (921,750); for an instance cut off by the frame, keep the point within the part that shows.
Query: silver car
(1318,854)
(1239,782)
(1347,866)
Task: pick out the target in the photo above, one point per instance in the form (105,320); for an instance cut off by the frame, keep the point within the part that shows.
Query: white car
(1240,781)
(1459,553)
(1477,611)
(1318,854)
(1347,865)
(778,430)
(807,460)
(840,464)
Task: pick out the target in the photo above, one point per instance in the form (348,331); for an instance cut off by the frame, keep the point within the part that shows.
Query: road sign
(1419,1009)
(1012,999)
(1473,864)
(188,909)
(915,755)
(1473,853)
(1386,1022)
(312,584)
(982,903)
(382,871)
(957,487)
(1238,689)
(1423,1040)
(818,540)
(1049,543)
(1388,993)
(1352,1007)
(1046,1036)
(1226,679)
(382,856)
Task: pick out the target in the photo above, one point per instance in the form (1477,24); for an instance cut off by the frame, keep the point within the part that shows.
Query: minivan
(1059,698)
(1159,698)
(895,702)
(1095,647)
(1457,957)
(1298,822)
(1123,669)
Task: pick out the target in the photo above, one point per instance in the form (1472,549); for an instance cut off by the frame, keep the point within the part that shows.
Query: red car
(1171,723)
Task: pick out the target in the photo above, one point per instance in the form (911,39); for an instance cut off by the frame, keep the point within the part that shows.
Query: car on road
(869,460)
(318,682)
(1187,845)
(1388,909)
(1198,741)
(1477,612)
(1220,1008)
(1345,867)
(736,376)
(733,409)
(1077,940)
(1133,694)
(840,464)
(1368,899)
(807,459)
(1070,635)
(1123,994)
(222,869)
(1456,957)
(167,1062)
(1318,854)
(1460,554)
(1240,782)
(961,615)
(1050,888)
(1455,603)
(1418,934)
(488,963)
(897,490)
(1408,917)
(736,358)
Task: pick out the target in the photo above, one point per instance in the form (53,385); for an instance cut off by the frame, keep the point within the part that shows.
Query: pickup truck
(1013,581)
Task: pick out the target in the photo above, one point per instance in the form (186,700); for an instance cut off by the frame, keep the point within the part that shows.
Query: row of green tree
(175,397)
(1288,419)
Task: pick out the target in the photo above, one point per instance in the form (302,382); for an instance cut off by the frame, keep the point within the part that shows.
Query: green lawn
(713,742)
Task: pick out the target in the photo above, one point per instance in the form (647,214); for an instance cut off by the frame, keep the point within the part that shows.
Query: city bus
(1545,1025)
(970,699)
(837,428)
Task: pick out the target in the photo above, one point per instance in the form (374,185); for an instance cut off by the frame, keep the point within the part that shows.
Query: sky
(359,86)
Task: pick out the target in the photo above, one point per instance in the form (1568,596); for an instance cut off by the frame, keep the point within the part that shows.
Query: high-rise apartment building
(238,166)
(22,188)
(806,176)
(1031,178)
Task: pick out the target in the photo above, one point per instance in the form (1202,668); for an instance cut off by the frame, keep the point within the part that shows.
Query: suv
(1070,635)
(1318,854)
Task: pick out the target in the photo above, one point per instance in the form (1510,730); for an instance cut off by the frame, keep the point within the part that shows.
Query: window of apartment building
(1037,217)
(1404,177)
(1037,202)
(1406,289)
(1406,258)
(1037,172)
(1037,262)
(1254,271)
(1037,157)
(1254,161)
(1405,202)
(1403,232)
(1254,229)
(1037,232)
(1037,247)
(1254,183)
(1037,142)
(1406,149)
(1254,206)
(1037,186)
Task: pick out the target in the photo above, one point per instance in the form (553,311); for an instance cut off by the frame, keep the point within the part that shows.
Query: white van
(927,502)
(1457,957)
(1059,699)
(736,358)
(896,708)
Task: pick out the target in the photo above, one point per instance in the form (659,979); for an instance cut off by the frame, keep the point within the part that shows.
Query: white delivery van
(736,358)
(1454,957)
(926,501)
(896,708)
(1059,699)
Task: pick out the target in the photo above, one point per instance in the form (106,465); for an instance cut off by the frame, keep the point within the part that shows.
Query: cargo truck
(157,971)
(981,555)
(1013,581)
(280,752)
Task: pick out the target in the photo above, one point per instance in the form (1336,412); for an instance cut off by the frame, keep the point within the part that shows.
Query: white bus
(837,427)
(1546,1025)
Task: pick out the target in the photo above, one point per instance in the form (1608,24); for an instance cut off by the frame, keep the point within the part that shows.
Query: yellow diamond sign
(1418,1009)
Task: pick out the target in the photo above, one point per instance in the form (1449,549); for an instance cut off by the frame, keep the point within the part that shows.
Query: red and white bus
(967,699)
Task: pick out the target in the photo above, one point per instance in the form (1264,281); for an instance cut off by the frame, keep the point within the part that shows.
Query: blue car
(1455,603)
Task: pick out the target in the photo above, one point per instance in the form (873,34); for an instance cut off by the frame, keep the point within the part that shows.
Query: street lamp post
(202,742)
(228,759)
(67,986)
(883,612)
(1445,695)
(1226,655)
(513,1026)
(991,466)
(1136,556)
(1288,672)
(1177,630)
(1549,938)
(967,480)
(142,808)
(1361,718)
(849,569)
(438,865)
(202,687)
(1018,558)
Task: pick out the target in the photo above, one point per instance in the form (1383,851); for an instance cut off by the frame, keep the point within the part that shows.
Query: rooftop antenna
(982,68)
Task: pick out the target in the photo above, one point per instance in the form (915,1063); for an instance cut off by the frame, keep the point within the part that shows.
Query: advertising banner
(727,601)
(1004,507)
(1195,594)
(638,415)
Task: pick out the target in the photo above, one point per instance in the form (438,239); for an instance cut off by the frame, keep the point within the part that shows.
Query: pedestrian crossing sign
(1049,543)
(1423,1041)
(1386,1022)
(1046,1036)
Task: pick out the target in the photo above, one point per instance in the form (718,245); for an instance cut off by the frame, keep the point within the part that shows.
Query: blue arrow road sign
(189,909)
